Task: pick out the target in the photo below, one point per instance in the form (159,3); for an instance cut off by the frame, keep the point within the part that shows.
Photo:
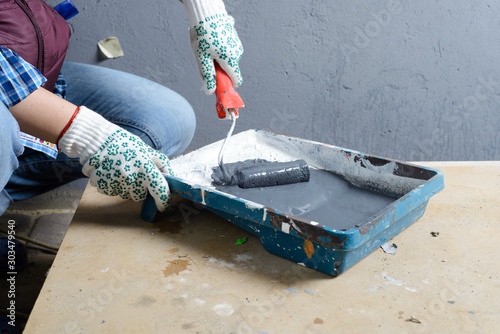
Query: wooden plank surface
(185,274)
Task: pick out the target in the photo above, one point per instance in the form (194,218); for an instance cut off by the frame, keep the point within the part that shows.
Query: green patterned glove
(214,38)
(124,165)
(117,162)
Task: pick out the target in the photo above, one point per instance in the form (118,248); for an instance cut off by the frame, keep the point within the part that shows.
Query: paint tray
(327,226)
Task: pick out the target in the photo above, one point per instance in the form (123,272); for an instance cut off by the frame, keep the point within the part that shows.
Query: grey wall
(412,80)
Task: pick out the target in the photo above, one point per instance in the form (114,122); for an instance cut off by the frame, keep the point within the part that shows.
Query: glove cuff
(199,10)
(85,135)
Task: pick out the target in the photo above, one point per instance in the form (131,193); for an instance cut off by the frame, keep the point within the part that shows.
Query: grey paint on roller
(409,80)
(261,173)
(273,174)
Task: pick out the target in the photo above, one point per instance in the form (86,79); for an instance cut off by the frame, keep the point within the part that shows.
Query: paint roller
(228,101)
(260,174)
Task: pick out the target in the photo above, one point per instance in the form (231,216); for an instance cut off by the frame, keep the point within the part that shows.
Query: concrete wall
(412,80)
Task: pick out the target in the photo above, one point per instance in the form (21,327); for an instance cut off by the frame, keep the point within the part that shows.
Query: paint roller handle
(227,97)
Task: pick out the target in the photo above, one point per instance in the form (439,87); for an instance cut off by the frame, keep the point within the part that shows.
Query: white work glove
(116,161)
(213,38)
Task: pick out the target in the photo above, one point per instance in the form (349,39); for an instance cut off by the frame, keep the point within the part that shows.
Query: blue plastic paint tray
(325,224)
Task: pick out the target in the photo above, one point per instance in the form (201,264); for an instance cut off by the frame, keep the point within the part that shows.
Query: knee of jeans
(189,128)
(168,129)
(177,136)
(11,146)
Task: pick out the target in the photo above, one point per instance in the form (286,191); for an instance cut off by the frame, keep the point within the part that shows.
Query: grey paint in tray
(325,198)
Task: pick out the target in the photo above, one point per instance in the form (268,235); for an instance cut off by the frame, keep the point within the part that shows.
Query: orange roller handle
(227,98)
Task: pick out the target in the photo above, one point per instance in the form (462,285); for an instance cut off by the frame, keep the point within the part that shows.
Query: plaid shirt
(18,79)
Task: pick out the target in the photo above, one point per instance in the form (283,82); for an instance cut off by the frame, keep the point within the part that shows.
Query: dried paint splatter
(308,248)
(309,291)
(175,267)
(224,309)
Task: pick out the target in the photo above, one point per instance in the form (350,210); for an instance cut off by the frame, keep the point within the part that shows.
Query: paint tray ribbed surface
(353,203)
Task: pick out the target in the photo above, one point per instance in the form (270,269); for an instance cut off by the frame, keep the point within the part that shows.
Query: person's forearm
(43,114)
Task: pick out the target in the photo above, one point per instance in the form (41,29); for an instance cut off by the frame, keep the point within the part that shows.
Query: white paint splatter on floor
(224,309)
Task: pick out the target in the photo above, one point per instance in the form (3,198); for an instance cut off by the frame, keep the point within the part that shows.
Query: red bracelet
(67,125)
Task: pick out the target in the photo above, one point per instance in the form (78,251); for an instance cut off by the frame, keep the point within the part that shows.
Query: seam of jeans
(37,164)
(146,130)
(20,151)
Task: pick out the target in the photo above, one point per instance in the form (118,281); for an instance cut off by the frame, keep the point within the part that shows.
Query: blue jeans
(160,117)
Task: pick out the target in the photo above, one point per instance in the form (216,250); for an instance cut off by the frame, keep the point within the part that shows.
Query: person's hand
(116,161)
(214,38)
(124,165)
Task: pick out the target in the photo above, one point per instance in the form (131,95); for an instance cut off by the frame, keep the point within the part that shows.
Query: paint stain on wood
(308,248)
(174,267)
(145,301)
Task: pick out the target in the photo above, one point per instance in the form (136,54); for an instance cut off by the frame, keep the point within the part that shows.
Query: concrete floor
(44,218)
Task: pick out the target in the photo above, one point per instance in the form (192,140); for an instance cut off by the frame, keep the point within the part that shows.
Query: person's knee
(11,146)
(176,136)
(10,149)
(161,117)
(189,125)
